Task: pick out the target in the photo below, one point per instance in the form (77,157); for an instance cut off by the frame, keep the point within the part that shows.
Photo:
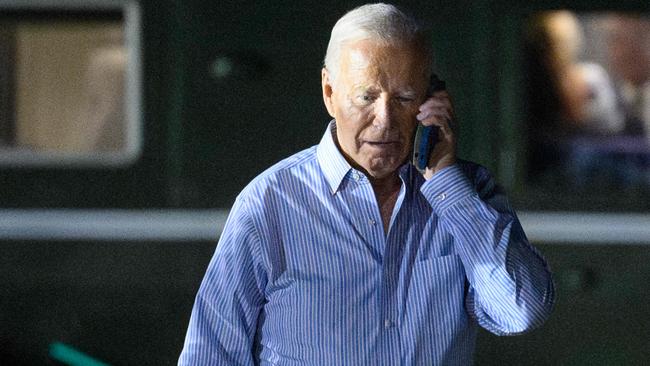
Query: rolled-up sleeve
(511,289)
(224,318)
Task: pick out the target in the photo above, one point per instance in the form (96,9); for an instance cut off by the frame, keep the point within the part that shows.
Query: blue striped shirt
(304,273)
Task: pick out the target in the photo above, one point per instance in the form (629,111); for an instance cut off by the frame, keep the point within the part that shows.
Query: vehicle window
(68,89)
(588,117)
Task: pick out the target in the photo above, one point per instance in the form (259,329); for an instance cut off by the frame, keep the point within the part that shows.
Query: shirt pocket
(438,261)
(435,302)
(438,275)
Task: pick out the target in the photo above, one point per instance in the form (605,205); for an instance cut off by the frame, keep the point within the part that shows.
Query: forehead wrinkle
(365,67)
(363,86)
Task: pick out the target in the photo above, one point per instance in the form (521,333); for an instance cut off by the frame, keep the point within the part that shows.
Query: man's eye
(365,99)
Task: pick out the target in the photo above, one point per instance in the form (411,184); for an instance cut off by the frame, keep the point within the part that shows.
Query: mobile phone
(426,136)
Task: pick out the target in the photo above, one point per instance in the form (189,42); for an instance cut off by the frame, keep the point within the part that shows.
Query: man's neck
(385,185)
(386,191)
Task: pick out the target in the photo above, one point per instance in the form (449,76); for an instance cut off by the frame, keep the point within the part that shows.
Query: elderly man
(345,254)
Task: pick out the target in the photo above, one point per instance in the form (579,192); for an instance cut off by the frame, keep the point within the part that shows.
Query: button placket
(364,213)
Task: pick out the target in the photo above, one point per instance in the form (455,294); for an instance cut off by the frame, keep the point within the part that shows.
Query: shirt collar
(332,162)
(335,167)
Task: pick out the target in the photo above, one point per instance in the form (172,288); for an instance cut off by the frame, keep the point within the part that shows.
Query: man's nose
(384,114)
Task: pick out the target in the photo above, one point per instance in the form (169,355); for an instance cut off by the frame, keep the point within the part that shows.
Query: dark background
(128,302)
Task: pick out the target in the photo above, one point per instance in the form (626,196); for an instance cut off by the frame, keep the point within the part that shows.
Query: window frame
(132,150)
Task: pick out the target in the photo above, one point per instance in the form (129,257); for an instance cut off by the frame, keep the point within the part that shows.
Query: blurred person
(555,93)
(616,152)
(557,37)
(101,122)
(569,98)
(628,50)
(346,254)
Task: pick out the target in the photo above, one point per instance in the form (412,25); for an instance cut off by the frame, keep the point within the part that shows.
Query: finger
(428,110)
(435,107)
(434,116)
(442,97)
(444,124)
(443,103)
(438,121)
(446,128)
(434,103)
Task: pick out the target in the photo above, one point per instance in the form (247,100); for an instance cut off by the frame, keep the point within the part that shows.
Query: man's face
(374,100)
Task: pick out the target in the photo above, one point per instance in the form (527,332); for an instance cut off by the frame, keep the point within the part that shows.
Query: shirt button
(372,222)
(388,323)
(442,196)
(355,176)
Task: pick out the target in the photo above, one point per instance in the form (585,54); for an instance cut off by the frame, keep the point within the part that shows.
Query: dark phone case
(426,136)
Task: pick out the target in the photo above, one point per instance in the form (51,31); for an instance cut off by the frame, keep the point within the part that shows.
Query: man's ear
(327,91)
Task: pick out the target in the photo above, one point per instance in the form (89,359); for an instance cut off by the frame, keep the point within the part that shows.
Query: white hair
(383,23)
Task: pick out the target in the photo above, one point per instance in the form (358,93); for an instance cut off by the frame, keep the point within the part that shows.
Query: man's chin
(379,171)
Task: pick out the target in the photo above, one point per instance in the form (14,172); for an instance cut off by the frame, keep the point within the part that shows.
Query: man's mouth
(381,143)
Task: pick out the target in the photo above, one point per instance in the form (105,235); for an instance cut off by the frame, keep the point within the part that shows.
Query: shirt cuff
(446,188)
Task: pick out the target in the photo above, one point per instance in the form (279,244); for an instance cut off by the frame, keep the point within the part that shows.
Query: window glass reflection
(588,78)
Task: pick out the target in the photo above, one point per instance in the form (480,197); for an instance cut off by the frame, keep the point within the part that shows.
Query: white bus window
(70,89)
